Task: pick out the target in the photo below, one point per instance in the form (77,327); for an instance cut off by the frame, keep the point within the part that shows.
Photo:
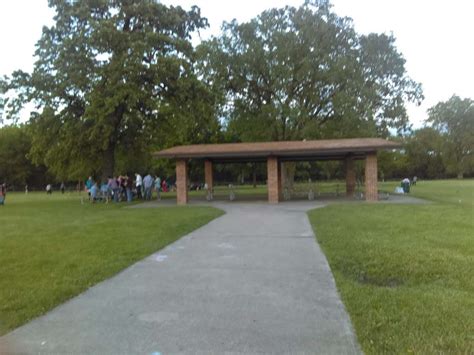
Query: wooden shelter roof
(329,149)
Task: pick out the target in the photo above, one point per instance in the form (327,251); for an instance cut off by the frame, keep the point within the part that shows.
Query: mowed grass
(457,192)
(406,272)
(53,247)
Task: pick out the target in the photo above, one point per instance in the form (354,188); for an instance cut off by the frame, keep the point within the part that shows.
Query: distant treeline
(426,153)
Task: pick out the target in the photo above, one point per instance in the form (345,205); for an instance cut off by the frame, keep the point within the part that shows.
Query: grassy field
(405,272)
(53,247)
(457,192)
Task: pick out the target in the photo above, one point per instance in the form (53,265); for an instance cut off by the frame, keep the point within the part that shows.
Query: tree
(304,73)
(424,152)
(295,73)
(393,165)
(454,119)
(16,168)
(14,147)
(110,77)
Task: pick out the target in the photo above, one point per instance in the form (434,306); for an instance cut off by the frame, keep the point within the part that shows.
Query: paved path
(251,281)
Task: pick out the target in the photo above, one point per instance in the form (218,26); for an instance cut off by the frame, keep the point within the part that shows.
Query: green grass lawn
(53,247)
(458,192)
(406,272)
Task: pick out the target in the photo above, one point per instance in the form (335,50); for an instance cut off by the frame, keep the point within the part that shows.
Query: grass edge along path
(404,272)
(54,248)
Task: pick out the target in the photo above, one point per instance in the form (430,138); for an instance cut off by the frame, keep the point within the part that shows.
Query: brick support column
(208,178)
(181,182)
(274,180)
(371,182)
(350,177)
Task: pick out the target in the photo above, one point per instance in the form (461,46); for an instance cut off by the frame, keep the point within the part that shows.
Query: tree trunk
(108,162)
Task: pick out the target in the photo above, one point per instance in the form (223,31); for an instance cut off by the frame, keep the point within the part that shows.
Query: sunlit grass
(405,271)
(458,192)
(54,247)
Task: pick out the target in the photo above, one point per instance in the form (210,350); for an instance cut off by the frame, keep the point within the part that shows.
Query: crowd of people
(117,188)
(125,188)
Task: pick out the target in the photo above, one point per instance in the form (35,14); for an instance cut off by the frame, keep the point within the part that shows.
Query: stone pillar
(350,177)
(181,182)
(274,180)
(208,178)
(371,183)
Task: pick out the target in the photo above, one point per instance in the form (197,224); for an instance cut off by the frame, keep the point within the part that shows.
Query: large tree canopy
(16,168)
(304,72)
(14,148)
(424,152)
(454,119)
(110,78)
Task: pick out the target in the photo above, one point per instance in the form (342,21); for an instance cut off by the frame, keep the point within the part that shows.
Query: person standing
(3,193)
(138,185)
(105,192)
(158,187)
(62,187)
(49,189)
(122,195)
(94,190)
(114,187)
(148,185)
(406,185)
(127,183)
(89,183)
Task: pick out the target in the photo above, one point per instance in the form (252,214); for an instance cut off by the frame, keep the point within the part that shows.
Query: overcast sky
(435,37)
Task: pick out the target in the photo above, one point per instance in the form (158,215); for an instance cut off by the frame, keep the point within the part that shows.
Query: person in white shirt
(138,185)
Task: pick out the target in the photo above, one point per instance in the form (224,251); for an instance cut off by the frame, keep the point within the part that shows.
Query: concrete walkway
(251,281)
